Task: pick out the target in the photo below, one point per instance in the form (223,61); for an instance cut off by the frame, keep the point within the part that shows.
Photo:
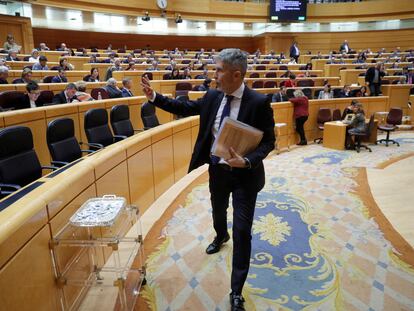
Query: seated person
(291,82)
(326,93)
(204,75)
(32,94)
(94,76)
(205,86)
(345,92)
(308,66)
(66,96)
(175,75)
(63,63)
(280,96)
(61,76)
(115,67)
(127,85)
(349,109)
(357,124)
(81,94)
(62,47)
(112,89)
(10,44)
(43,47)
(131,67)
(186,74)
(4,74)
(171,66)
(153,67)
(34,58)
(286,74)
(129,59)
(93,59)
(41,64)
(12,57)
(26,76)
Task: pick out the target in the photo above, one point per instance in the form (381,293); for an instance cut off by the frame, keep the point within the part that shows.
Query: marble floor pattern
(315,247)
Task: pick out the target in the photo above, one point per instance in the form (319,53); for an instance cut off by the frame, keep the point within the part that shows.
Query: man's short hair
(4,69)
(125,81)
(42,58)
(111,81)
(32,86)
(71,86)
(236,59)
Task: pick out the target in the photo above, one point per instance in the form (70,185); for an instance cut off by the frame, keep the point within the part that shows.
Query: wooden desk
(334,134)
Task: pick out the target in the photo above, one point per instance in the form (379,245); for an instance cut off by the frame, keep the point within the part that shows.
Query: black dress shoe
(237,302)
(214,247)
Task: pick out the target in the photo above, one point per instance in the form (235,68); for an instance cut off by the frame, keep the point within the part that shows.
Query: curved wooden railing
(140,168)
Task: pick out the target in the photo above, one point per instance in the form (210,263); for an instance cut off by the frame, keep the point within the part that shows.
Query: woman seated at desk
(357,124)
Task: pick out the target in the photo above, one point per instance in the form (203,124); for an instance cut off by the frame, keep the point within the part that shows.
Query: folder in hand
(241,136)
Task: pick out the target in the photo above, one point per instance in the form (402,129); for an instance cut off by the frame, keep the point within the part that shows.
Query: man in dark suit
(373,78)
(4,74)
(112,89)
(60,77)
(344,48)
(294,52)
(241,175)
(280,96)
(126,90)
(12,57)
(66,96)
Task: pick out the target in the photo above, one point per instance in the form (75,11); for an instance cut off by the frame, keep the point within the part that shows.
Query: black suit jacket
(255,110)
(60,98)
(113,92)
(292,52)
(370,75)
(24,103)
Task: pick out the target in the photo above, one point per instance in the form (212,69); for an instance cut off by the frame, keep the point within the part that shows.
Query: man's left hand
(236,159)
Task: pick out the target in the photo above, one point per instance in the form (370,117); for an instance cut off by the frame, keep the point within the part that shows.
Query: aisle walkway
(315,245)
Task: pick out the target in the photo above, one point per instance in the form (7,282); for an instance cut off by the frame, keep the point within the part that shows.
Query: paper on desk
(241,136)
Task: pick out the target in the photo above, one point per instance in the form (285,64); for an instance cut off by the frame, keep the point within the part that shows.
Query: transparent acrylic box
(100,261)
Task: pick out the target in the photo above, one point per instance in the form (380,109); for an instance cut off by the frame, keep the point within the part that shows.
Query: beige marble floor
(393,191)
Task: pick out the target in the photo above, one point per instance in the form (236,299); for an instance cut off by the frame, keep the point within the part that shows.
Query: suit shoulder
(257,96)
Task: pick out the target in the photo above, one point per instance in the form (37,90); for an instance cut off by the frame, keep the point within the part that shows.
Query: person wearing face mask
(243,176)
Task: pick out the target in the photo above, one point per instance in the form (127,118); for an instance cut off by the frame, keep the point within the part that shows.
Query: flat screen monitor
(287,10)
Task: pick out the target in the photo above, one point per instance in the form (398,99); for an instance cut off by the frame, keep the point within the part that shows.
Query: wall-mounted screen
(287,10)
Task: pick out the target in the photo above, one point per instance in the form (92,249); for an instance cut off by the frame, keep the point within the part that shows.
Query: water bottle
(99,96)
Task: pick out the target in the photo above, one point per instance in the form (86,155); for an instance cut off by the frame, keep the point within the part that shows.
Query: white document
(241,136)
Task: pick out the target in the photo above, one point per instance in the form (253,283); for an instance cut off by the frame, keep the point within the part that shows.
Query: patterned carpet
(315,247)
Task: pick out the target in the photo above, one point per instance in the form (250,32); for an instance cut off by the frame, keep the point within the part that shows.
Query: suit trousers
(224,181)
(375,89)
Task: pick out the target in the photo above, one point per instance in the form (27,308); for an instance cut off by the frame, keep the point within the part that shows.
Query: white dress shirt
(234,112)
(234,108)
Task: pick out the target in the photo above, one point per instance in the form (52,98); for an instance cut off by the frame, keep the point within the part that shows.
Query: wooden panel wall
(73,38)
(20,27)
(313,41)
(327,41)
(247,11)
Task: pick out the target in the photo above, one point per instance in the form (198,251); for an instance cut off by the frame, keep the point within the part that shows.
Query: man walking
(241,175)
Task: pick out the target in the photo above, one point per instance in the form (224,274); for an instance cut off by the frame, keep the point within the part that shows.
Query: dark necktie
(224,113)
